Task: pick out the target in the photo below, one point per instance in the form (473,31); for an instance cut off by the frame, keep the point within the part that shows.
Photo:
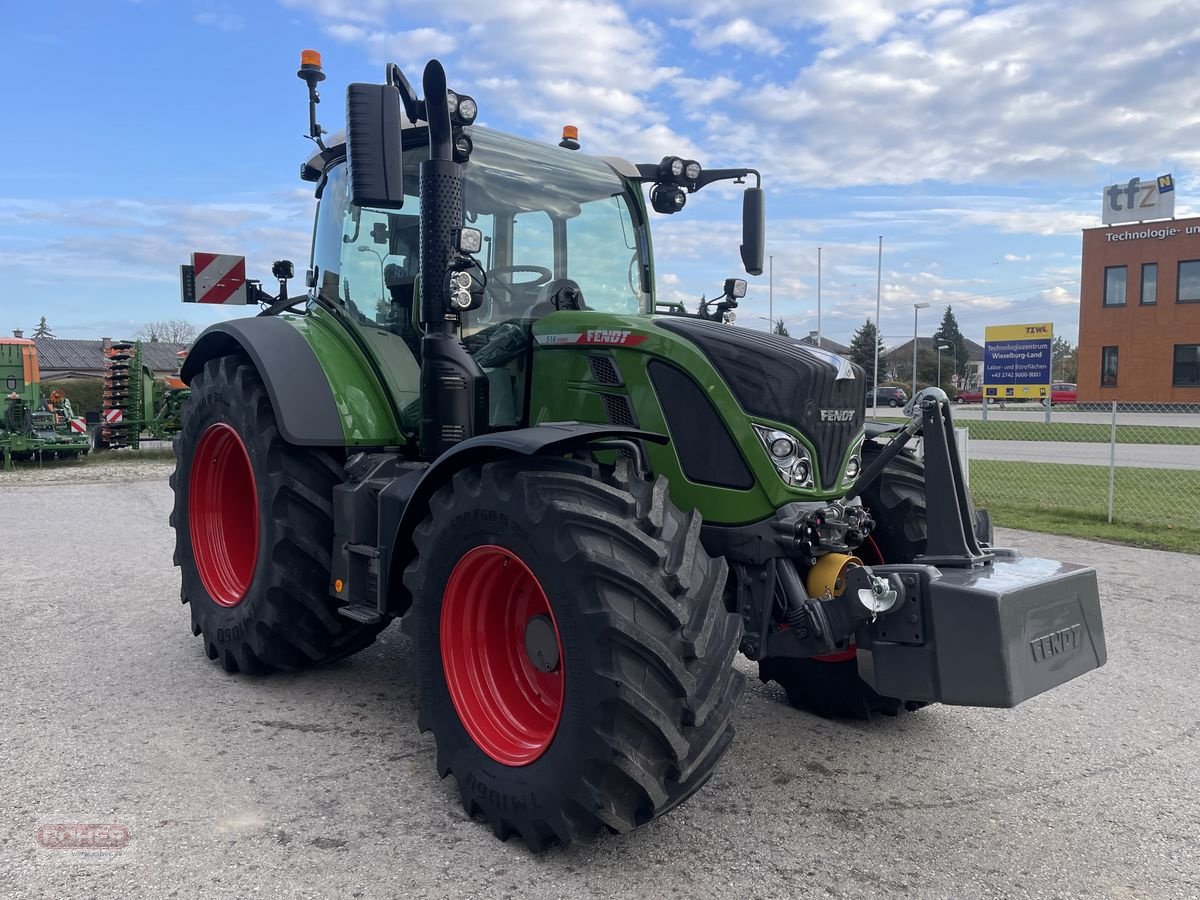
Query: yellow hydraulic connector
(829,574)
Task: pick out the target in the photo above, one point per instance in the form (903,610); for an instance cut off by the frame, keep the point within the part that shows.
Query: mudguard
(322,389)
(404,502)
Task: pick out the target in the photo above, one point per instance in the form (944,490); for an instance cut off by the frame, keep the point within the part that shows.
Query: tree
(1065,361)
(863,345)
(780,328)
(172,331)
(926,367)
(948,333)
(43,330)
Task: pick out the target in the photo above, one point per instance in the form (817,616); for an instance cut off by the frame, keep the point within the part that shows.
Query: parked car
(1062,392)
(888,396)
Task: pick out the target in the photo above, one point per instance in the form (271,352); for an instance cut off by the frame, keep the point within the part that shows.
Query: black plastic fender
(296,383)
(405,502)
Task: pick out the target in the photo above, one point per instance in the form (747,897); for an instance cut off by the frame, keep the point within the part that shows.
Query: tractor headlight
(452,102)
(467,110)
(691,170)
(788,455)
(666,198)
(854,466)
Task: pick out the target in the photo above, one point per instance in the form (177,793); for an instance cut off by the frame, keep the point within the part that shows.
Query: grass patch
(1080,432)
(104,458)
(1073,500)
(1073,432)
(129,456)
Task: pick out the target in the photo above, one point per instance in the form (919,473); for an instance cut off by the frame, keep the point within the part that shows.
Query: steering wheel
(498,277)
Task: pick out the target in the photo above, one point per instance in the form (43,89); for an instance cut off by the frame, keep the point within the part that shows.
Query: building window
(1108,367)
(1149,283)
(1114,286)
(1189,281)
(1187,366)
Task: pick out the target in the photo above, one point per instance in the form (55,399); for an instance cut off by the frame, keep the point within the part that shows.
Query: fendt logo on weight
(837,415)
(1065,640)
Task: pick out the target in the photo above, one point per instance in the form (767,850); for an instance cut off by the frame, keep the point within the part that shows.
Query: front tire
(575,654)
(253,522)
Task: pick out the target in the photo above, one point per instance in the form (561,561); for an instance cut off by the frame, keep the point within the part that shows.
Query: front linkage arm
(950,517)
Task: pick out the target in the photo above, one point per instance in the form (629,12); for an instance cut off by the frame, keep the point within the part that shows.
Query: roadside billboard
(1016,361)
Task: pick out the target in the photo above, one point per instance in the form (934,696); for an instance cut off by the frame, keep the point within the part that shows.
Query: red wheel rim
(851,651)
(223,514)
(509,707)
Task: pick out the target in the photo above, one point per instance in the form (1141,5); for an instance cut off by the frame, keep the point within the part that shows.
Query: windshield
(550,218)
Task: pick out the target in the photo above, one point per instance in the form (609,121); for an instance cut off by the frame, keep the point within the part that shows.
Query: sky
(975,138)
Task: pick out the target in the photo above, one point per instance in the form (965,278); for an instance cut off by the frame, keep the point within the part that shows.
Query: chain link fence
(1123,472)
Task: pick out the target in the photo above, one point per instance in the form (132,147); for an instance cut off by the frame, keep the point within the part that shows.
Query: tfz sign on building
(1138,201)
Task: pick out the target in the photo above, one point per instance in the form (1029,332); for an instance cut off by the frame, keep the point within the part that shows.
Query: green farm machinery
(582,505)
(34,425)
(137,405)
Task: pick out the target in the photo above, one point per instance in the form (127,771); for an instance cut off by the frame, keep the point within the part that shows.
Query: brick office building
(1139,313)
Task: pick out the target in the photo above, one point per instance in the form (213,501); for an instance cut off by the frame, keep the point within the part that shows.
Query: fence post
(1112,460)
(962,439)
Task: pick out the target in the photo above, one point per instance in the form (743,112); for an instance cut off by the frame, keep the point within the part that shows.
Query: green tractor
(581,506)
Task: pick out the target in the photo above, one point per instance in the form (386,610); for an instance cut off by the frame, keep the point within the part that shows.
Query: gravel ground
(319,785)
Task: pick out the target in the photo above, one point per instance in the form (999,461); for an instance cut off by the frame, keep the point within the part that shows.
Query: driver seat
(559,294)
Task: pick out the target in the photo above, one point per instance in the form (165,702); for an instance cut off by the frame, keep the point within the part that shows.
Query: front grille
(785,380)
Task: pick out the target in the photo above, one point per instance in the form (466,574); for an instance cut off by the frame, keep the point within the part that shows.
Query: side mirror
(753,230)
(373,145)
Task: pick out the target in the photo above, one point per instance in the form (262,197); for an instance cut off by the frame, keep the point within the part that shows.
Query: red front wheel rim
(509,706)
(223,514)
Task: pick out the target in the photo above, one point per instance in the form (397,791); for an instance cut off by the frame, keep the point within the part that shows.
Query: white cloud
(222,18)
(388,46)
(740,33)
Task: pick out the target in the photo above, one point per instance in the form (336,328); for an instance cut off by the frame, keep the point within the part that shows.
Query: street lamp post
(940,348)
(378,256)
(917,307)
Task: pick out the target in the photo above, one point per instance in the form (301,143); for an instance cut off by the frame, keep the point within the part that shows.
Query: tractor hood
(817,393)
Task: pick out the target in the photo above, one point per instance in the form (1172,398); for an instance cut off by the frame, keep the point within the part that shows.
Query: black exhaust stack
(454,389)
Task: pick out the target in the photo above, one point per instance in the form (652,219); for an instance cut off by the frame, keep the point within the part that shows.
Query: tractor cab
(558,231)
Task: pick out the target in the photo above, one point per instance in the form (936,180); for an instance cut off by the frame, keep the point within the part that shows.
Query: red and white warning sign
(112,416)
(219,278)
(78,425)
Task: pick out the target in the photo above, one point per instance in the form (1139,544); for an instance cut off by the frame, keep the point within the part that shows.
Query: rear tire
(637,713)
(253,522)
